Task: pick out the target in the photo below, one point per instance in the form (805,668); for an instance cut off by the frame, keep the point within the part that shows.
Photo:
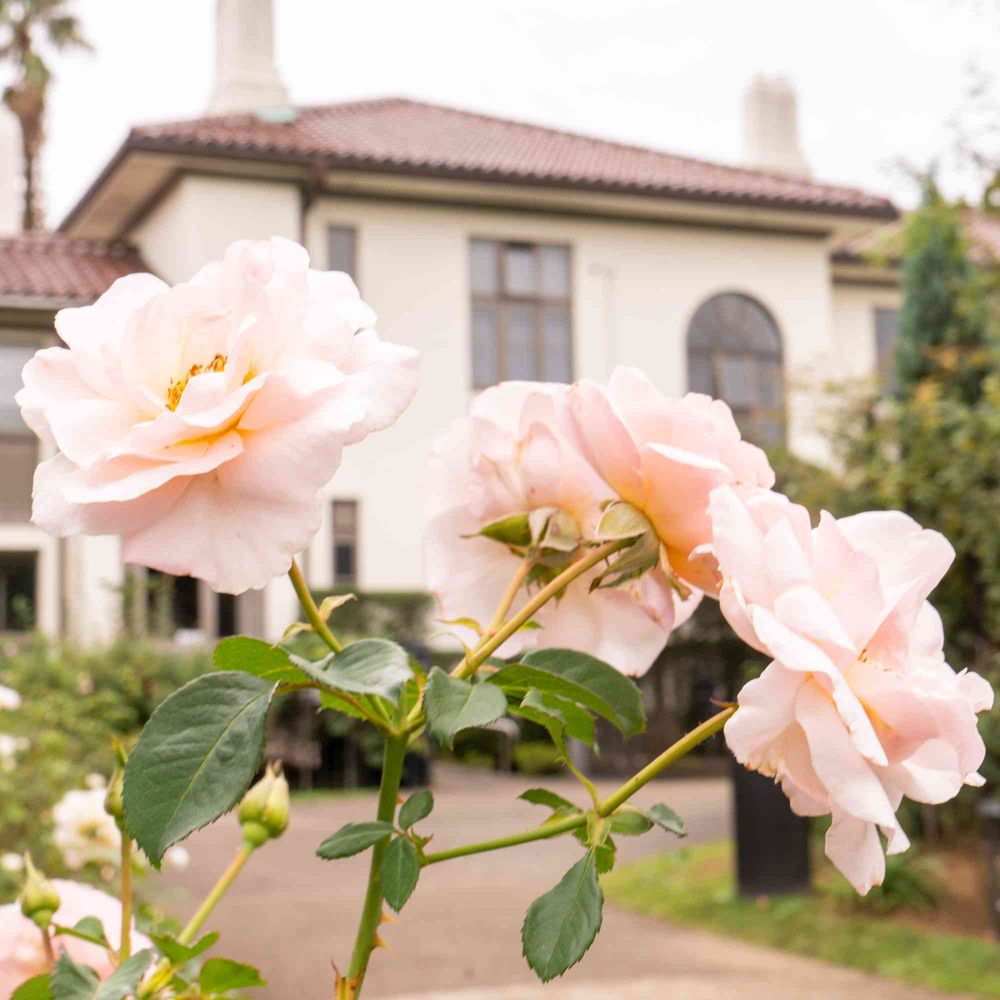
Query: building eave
(162,160)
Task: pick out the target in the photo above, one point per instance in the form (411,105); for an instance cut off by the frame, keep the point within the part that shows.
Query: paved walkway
(459,936)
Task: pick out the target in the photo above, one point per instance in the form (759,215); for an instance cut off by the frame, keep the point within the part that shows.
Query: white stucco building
(498,249)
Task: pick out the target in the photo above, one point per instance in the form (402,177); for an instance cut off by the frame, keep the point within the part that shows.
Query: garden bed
(949,947)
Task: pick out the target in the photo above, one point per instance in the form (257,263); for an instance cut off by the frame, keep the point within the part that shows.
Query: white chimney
(771,127)
(246,78)
(11,173)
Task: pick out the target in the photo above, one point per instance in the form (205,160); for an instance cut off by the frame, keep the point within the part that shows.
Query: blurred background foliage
(74,704)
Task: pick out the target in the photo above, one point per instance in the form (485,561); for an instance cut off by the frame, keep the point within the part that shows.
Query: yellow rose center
(177,386)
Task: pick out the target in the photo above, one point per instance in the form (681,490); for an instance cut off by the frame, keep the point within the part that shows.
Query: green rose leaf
(417,807)
(399,872)
(631,822)
(70,981)
(368,667)
(195,758)
(221,975)
(560,717)
(353,839)
(604,856)
(88,929)
(36,988)
(180,954)
(663,816)
(124,981)
(578,678)
(561,925)
(543,797)
(253,656)
(453,705)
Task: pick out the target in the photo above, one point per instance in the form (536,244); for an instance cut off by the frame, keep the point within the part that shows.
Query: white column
(321,552)
(281,607)
(246,78)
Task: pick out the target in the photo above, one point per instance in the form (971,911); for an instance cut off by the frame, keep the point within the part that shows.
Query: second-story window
(18,445)
(342,250)
(886,339)
(521,316)
(345,543)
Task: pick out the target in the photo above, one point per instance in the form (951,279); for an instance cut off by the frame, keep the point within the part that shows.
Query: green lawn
(694,887)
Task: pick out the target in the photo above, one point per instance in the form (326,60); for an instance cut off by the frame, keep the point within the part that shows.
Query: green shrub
(911,883)
(74,704)
(536,757)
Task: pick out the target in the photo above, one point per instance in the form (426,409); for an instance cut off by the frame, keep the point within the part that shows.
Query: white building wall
(201,216)
(853,321)
(636,286)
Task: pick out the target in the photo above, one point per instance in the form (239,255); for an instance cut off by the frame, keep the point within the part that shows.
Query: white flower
(177,857)
(9,745)
(11,862)
(84,832)
(9,698)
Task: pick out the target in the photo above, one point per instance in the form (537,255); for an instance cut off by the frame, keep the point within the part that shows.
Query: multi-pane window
(345,543)
(734,354)
(521,318)
(17,591)
(18,446)
(342,250)
(886,338)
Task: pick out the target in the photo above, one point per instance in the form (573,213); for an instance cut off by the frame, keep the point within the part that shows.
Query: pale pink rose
(511,455)
(22,952)
(858,707)
(200,422)
(665,456)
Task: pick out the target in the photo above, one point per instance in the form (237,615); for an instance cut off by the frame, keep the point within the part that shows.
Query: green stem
(50,954)
(305,597)
(165,969)
(220,888)
(673,753)
(493,642)
(554,829)
(371,912)
(125,948)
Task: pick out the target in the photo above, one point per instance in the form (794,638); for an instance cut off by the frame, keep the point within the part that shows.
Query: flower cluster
(858,707)
(86,833)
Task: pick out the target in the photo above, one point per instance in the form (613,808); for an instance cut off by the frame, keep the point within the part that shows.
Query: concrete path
(459,936)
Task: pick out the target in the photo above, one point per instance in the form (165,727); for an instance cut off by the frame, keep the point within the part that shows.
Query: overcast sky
(876,79)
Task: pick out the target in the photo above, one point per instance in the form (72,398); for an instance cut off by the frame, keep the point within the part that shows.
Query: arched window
(734,354)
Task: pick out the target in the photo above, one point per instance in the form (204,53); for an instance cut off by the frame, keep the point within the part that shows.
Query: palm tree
(23,25)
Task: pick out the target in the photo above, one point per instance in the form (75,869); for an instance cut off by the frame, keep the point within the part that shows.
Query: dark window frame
(885,353)
(32,557)
(352,542)
(710,344)
(331,228)
(15,443)
(503,300)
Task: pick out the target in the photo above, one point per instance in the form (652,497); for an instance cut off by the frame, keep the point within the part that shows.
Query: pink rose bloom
(512,456)
(665,456)
(201,421)
(858,707)
(22,953)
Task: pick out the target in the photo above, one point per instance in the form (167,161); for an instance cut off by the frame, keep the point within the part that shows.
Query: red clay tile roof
(38,267)
(397,135)
(884,244)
